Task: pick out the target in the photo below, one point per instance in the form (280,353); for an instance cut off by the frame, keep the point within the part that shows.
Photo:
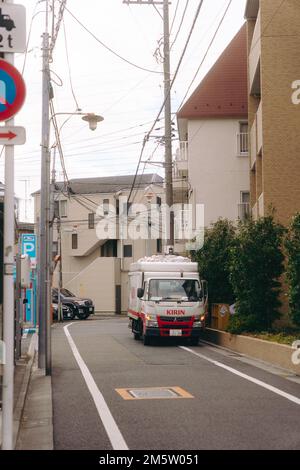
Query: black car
(68,314)
(82,308)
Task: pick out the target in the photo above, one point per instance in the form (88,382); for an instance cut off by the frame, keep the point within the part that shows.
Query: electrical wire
(58,141)
(69,67)
(107,47)
(206,52)
(174,17)
(180,25)
(171,85)
(56,28)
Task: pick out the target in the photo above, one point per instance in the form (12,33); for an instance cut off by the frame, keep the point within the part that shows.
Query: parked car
(68,314)
(81,307)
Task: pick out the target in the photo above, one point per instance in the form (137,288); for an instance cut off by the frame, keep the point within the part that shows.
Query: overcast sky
(126,96)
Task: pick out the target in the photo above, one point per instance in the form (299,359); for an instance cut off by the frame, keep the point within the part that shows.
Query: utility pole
(44,358)
(167,101)
(168,122)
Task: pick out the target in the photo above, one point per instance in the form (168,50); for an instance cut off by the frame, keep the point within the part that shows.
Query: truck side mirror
(204,290)
(140,292)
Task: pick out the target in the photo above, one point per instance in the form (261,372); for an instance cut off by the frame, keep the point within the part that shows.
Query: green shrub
(292,246)
(255,268)
(214,261)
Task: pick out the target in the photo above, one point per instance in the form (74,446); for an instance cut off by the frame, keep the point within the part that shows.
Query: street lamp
(45,234)
(93,120)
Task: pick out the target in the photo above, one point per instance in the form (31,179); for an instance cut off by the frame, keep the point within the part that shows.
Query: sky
(128,97)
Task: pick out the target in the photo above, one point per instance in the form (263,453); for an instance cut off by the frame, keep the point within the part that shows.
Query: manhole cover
(152,393)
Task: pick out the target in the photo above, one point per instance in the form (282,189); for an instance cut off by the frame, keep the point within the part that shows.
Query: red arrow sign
(9,135)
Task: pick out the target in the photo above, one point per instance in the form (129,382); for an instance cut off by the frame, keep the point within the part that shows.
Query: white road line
(245,376)
(112,430)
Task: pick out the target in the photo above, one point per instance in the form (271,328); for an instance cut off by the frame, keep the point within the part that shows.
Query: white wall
(216,174)
(97,281)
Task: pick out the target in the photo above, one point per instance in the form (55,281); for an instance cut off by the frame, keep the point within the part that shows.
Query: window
(126,207)
(91,220)
(244,127)
(244,206)
(54,248)
(159,245)
(158,201)
(243,139)
(74,241)
(175,289)
(117,207)
(245,197)
(127,251)
(62,208)
(105,206)
(109,249)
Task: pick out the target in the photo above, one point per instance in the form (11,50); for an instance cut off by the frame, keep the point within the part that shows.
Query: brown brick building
(274,106)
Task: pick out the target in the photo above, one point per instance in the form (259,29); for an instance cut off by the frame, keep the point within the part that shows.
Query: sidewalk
(21,381)
(36,429)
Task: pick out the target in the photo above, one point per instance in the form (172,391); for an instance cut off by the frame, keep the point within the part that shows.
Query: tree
(255,269)
(292,246)
(214,260)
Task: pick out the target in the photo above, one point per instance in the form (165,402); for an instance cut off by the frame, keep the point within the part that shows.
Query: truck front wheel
(146,340)
(194,341)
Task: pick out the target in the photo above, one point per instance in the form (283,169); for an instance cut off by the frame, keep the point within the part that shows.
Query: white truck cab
(166,298)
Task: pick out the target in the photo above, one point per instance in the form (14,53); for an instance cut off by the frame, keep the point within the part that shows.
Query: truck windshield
(175,289)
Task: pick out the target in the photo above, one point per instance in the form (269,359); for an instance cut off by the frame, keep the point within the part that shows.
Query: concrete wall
(274,353)
(97,281)
(216,174)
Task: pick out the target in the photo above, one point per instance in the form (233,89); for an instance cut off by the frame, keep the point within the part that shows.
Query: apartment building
(212,164)
(274,106)
(95,247)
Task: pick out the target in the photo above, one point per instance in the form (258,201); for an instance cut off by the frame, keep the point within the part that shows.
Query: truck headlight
(152,324)
(151,321)
(198,321)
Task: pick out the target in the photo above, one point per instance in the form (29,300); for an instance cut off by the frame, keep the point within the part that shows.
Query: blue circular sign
(12,90)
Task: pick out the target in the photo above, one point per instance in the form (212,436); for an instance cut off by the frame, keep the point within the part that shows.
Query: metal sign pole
(13,34)
(8,291)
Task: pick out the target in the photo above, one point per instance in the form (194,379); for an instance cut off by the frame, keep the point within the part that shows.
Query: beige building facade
(96,251)
(274,106)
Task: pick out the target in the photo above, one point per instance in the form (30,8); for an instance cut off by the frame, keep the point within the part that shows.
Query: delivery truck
(166,299)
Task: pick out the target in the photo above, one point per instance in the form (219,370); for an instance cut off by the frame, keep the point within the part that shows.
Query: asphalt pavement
(227,402)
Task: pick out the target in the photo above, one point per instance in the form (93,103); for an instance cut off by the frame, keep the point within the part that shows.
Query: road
(229,402)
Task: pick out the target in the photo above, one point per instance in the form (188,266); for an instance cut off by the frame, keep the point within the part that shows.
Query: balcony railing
(244,210)
(243,144)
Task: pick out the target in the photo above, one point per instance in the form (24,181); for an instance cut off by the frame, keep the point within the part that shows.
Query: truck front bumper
(165,332)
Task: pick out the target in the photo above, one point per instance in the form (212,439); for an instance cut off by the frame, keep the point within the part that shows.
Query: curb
(276,354)
(19,407)
(36,430)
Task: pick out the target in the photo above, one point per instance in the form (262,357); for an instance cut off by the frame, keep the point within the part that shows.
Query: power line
(206,52)
(56,28)
(69,68)
(107,47)
(171,85)
(180,25)
(174,17)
